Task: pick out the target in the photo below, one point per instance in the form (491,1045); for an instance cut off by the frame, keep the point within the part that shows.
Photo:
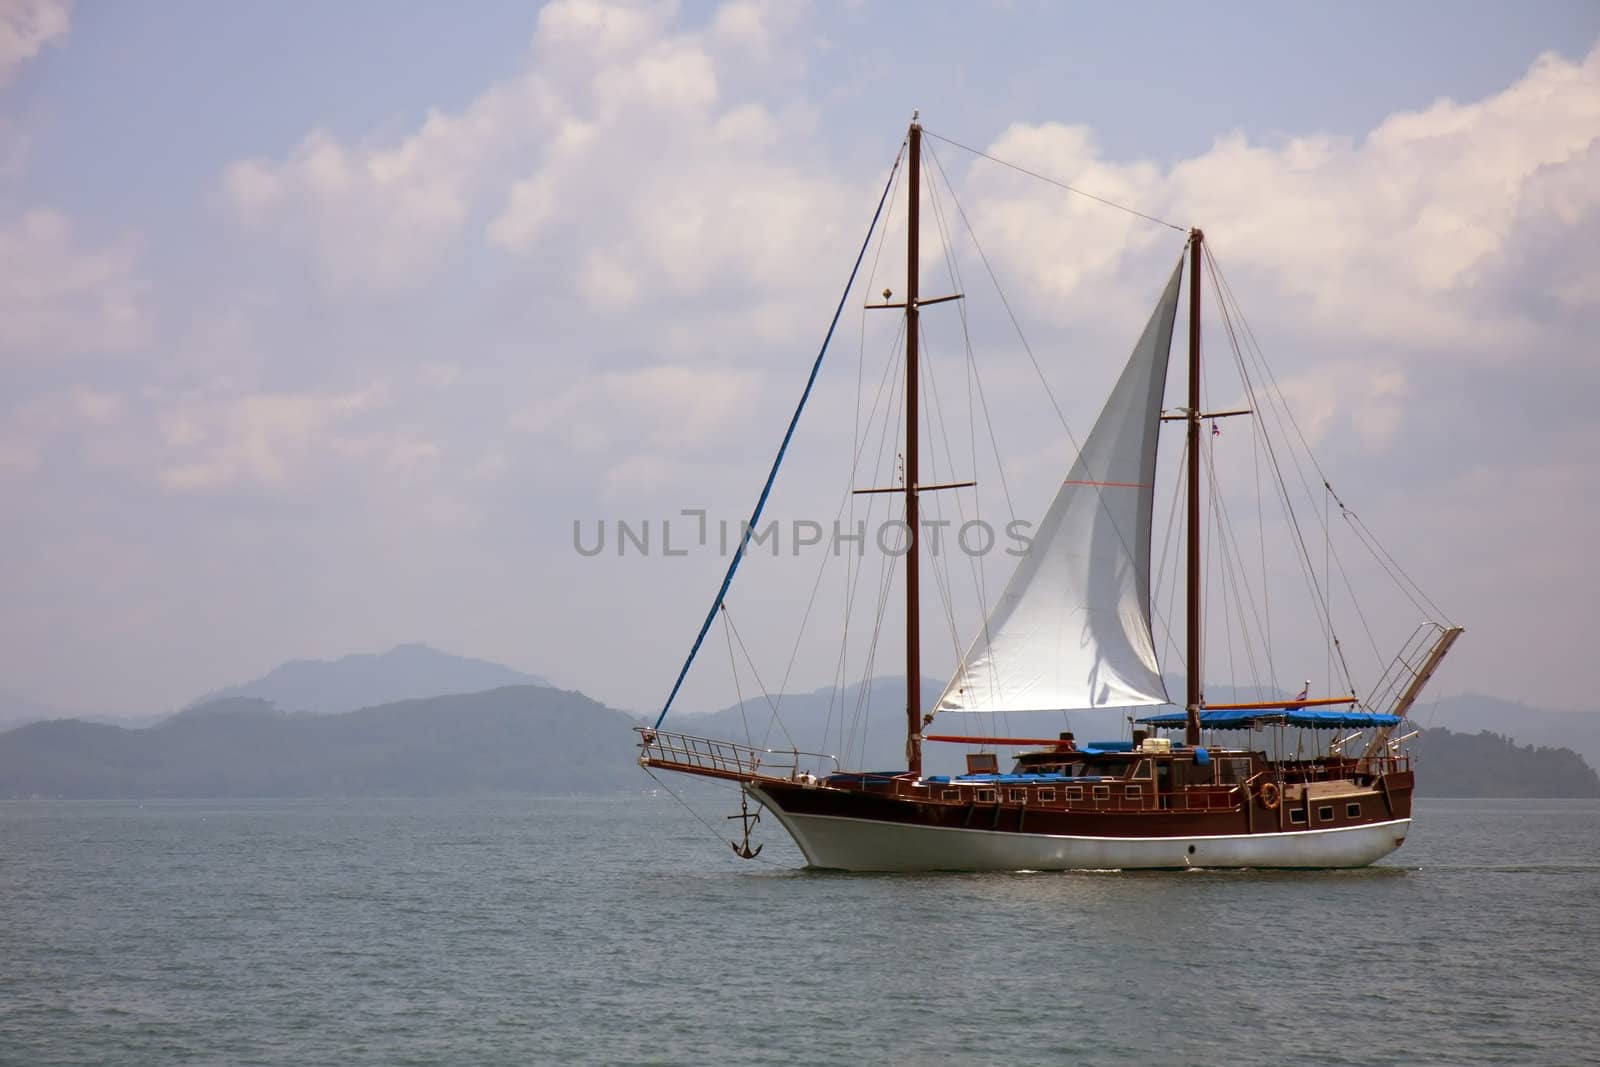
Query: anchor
(749,819)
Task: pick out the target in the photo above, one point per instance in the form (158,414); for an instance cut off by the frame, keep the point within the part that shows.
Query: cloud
(80,412)
(656,407)
(274,440)
(616,150)
(70,299)
(26,26)
(1395,236)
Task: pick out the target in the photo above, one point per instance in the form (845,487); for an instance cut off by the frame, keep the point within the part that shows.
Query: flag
(1216,431)
(1304,691)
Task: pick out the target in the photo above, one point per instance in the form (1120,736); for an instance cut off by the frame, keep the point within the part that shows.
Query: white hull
(848,844)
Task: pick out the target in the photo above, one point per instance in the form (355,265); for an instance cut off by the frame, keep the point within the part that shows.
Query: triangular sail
(1072,629)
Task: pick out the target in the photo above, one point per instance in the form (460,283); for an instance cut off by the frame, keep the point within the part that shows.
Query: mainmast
(913,609)
(1195,695)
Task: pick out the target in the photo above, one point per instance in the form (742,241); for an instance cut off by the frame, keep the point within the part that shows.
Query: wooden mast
(913,607)
(1194,696)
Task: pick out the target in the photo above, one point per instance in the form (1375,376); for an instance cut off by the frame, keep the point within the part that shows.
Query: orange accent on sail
(1111,485)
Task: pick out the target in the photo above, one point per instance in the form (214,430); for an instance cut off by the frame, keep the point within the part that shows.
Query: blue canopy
(1243,719)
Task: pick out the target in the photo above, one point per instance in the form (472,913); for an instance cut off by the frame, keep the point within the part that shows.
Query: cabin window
(1046,796)
(1232,771)
(1133,792)
(986,796)
(1352,811)
(1102,792)
(1074,792)
(1298,816)
(1019,796)
(951,794)
(1325,813)
(983,763)
(1141,770)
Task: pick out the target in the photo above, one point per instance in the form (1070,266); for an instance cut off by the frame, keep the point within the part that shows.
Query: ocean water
(532,930)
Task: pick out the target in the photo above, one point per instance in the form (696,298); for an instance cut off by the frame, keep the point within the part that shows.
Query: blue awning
(1315,718)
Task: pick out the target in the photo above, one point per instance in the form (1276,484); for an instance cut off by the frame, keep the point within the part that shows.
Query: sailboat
(1073,630)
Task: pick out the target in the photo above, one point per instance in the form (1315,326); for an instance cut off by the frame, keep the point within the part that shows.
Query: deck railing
(727,759)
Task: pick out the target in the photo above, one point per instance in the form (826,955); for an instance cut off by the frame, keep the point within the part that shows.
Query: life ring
(1270,796)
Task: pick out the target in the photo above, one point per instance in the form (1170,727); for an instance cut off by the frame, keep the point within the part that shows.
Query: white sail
(1072,629)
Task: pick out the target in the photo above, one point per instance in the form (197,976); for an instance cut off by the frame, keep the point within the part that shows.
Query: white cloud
(615,150)
(629,423)
(1388,237)
(26,26)
(273,440)
(67,299)
(76,413)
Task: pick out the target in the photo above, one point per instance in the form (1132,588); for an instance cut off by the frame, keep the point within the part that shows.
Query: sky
(322,325)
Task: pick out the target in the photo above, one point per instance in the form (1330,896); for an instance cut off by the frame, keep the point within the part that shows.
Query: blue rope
(761,502)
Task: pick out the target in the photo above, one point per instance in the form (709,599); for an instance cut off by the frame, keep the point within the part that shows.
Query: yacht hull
(848,843)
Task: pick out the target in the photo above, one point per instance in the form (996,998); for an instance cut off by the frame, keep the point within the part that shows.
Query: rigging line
(1403,578)
(766,490)
(810,603)
(1344,574)
(983,398)
(1307,567)
(1327,569)
(1389,564)
(1233,569)
(1261,547)
(1236,565)
(850,721)
(751,663)
(858,446)
(853,574)
(863,709)
(714,831)
(940,565)
(1178,485)
(816,586)
(738,690)
(979,576)
(885,566)
(1052,181)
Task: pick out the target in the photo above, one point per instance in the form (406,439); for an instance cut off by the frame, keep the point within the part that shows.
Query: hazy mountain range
(336,728)
(364,680)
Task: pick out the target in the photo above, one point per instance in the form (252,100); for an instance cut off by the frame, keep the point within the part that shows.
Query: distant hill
(535,739)
(1471,713)
(1486,764)
(524,739)
(405,672)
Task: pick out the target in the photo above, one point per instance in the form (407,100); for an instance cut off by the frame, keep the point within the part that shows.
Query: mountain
(16,710)
(365,680)
(539,740)
(1471,713)
(1491,765)
(523,739)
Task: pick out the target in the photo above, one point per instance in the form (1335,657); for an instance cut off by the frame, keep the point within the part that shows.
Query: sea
(523,930)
